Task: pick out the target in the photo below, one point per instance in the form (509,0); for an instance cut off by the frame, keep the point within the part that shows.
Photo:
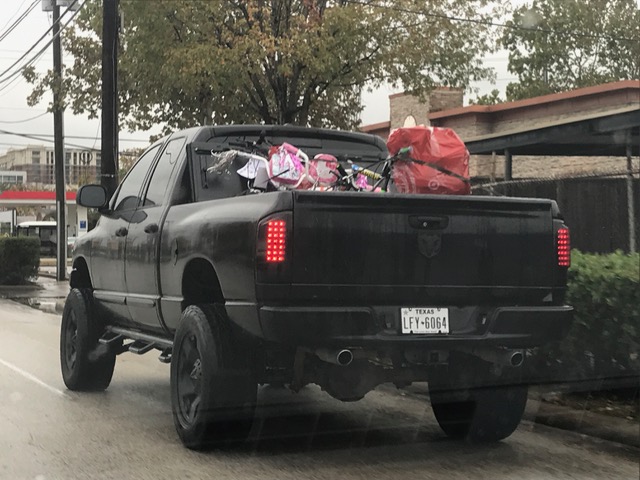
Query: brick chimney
(407,110)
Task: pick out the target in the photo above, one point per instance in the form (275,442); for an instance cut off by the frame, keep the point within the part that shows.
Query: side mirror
(92,196)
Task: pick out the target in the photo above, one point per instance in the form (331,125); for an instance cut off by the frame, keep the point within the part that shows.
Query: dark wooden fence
(595,209)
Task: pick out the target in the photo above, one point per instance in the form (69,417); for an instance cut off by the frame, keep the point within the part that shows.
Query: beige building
(13,177)
(569,156)
(37,161)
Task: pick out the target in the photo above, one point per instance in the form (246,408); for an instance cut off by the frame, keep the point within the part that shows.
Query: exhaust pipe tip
(517,359)
(344,358)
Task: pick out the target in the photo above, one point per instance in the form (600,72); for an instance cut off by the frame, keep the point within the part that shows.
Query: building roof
(374,127)
(541,100)
(507,106)
(599,134)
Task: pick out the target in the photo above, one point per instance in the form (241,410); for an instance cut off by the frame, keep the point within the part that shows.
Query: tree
(127,158)
(190,62)
(560,45)
(488,98)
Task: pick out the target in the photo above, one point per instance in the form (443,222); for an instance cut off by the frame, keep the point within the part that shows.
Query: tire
(472,404)
(213,391)
(85,367)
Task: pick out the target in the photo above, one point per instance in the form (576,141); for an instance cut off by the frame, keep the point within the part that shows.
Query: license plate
(425,320)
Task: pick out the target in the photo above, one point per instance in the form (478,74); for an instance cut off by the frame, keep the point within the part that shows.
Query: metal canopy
(613,134)
(606,135)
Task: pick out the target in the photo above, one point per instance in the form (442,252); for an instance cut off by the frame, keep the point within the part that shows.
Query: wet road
(47,432)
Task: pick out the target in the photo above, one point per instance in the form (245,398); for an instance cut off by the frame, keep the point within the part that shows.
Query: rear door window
(159,183)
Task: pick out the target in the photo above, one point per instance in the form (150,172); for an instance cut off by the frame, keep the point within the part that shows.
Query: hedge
(604,339)
(19,259)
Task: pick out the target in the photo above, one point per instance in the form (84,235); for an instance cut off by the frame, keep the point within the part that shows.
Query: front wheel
(213,393)
(85,367)
(470,403)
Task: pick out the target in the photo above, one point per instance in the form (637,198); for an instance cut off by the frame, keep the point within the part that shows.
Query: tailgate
(395,241)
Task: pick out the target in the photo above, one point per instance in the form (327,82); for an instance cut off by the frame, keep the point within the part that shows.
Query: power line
(16,75)
(11,144)
(75,137)
(11,50)
(489,23)
(34,46)
(25,120)
(19,78)
(39,138)
(34,137)
(14,15)
(67,56)
(27,52)
(24,108)
(20,19)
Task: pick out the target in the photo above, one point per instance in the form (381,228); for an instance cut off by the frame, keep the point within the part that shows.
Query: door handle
(151,228)
(122,232)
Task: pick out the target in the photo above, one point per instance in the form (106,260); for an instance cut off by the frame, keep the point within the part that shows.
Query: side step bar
(142,342)
(144,337)
(140,348)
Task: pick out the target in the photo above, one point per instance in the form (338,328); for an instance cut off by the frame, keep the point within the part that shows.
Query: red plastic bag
(446,161)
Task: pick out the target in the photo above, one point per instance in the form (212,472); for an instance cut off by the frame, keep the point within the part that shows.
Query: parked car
(346,290)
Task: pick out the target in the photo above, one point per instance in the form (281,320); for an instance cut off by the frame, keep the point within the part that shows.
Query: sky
(17,117)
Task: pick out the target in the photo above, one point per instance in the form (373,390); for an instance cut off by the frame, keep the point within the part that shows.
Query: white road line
(28,376)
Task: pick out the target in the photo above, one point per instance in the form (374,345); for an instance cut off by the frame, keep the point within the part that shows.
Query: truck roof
(205,134)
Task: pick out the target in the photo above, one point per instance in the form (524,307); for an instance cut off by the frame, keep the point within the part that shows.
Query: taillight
(563,242)
(276,250)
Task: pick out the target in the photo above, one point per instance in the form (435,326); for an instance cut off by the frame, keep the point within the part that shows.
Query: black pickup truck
(346,290)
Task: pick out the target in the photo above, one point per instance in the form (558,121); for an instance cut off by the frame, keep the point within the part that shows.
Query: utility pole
(109,149)
(630,197)
(58,137)
(53,6)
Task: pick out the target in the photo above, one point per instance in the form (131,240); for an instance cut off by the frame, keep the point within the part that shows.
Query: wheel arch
(200,283)
(80,275)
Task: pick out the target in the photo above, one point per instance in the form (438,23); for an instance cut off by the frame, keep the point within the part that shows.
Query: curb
(47,275)
(50,305)
(19,288)
(614,429)
(54,305)
(47,306)
(52,262)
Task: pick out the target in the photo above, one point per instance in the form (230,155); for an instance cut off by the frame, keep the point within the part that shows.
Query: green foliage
(604,340)
(568,44)
(19,259)
(191,62)
(492,98)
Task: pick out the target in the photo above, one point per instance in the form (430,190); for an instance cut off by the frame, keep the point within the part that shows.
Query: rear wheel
(85,366)
(471,403)
(213,392)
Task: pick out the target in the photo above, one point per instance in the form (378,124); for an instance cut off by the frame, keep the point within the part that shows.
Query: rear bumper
(379,327)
